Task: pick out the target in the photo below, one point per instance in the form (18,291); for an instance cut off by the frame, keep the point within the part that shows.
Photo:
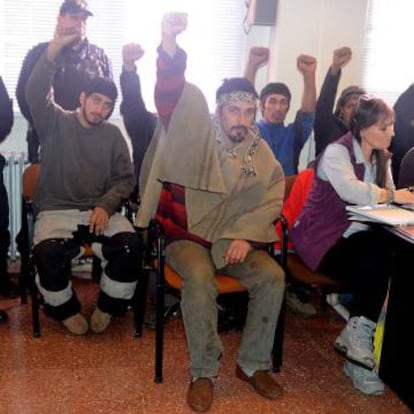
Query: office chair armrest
(284,241)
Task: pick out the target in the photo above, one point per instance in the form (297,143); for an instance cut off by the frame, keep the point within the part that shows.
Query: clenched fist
(258,56)
(340,58)
(131,53)
(306,64)
(173,23)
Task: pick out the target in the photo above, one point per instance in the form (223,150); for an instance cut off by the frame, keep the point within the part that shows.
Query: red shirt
(171,208)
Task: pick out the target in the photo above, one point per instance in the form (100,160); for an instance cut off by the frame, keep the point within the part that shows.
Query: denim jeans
(264,280)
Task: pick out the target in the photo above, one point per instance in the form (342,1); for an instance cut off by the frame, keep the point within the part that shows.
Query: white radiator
(12,176)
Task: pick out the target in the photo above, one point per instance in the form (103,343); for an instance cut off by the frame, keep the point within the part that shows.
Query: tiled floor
(113,372)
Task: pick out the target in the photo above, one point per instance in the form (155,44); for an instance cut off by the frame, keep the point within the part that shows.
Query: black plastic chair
(406,174)
(298,272)
(28,268)
(167,277)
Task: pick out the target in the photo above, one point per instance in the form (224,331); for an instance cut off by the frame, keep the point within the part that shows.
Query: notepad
(381,213)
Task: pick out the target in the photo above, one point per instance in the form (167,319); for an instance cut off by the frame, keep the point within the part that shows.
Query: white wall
(16,141)
(313,27)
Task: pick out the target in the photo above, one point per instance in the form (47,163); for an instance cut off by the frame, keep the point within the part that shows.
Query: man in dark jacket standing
(404,129)
(329,124)
(6,123)
(79,61)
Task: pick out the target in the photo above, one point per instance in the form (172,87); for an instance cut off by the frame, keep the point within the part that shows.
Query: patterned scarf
(247,164)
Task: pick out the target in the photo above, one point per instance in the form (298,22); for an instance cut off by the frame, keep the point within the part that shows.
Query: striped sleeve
(172,215)
(170,82)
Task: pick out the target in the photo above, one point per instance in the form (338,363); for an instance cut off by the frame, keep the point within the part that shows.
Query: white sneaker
(364,380)
(355,341)
(304,309)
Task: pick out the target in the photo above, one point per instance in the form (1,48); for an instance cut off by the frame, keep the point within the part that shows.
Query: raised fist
(341,57)
(173,23)
(258,56)
(306,64)
(131,53)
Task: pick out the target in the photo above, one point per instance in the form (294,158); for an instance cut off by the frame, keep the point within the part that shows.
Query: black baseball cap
(75,6)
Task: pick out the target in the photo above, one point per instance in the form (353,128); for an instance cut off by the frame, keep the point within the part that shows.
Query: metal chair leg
(35,311)
(277,352)
(159,306)
(140,299)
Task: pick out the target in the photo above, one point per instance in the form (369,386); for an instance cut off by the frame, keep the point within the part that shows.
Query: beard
(238,134)
(92,120)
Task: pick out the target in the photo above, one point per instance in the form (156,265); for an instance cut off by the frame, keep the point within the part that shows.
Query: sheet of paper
(392,215)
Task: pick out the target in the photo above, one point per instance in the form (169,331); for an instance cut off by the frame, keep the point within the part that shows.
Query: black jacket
(75,66)
(139,123)
(328,126)
(6,123)
(404,129)
(6,112)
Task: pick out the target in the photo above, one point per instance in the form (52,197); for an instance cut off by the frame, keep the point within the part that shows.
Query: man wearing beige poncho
(217,188)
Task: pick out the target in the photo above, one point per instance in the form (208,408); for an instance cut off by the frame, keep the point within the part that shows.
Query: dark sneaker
(305,309)
(8,289)
(170,313)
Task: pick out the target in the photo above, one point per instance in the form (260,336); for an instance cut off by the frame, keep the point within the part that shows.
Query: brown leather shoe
(262,382)
(200,394)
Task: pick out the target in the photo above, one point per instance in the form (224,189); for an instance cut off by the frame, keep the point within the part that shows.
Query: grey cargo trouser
(264,280)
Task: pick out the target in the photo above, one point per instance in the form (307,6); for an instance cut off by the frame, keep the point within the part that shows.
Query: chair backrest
(166,274)
(299,187)
(289,181)
(30,179)
(296,193)
(406,175)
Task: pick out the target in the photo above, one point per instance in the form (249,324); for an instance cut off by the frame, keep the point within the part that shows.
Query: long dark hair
(369,111)
(348,93)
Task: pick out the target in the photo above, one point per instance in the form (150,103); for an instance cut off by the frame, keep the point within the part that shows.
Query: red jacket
(295,201)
